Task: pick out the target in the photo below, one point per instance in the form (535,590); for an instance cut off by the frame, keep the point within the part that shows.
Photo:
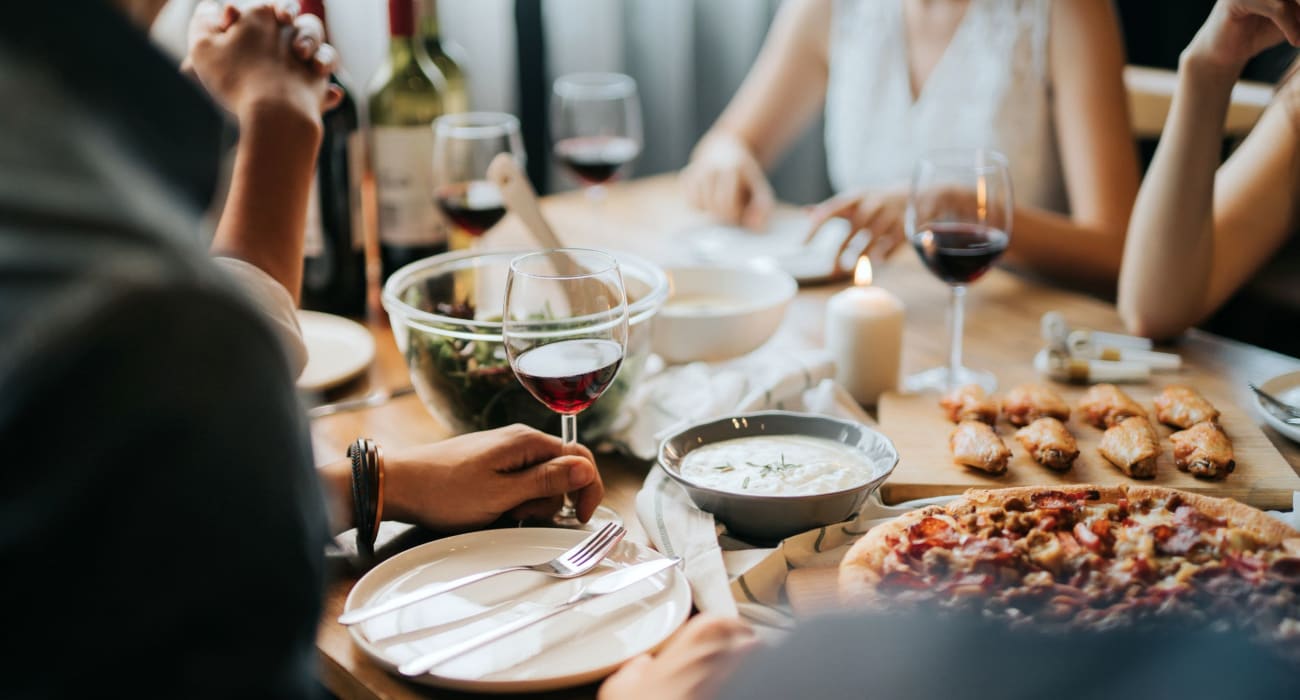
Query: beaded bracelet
(367,493)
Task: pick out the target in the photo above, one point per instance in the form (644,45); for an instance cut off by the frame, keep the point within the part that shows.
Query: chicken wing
(1203,450)
(1029,402)
(1105,405)
(974,444)
(1183,407)
(970,403)
(1132,446)
(1049,442)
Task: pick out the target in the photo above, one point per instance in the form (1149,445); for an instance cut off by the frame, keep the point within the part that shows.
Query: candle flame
(862,274)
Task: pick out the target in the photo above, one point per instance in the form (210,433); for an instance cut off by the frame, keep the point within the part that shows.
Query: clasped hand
(264,56)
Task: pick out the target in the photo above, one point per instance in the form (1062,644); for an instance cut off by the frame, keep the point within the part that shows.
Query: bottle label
(404,186)
(314,237)
(356,175)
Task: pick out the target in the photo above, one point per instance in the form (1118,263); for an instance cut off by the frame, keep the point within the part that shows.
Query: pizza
(1086,557)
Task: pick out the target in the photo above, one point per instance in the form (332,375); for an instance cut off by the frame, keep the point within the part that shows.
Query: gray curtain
(688,57)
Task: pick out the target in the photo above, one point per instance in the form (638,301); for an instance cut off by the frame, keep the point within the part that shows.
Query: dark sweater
(161,524)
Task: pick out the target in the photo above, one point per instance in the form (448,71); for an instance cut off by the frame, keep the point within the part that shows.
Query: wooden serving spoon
(520,198)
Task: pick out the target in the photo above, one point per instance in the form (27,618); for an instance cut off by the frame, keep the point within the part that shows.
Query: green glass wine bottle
(409,93)
(447,56)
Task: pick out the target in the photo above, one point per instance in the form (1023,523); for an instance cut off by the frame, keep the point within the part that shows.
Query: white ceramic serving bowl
(718,312)
(768,518)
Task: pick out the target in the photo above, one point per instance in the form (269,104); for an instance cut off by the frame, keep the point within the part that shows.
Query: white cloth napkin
(772,378)
(794,381)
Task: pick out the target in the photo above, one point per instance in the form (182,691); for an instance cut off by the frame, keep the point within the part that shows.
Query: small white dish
(338,349)
(781,243)
(577,647)
(1286,388)
(718,312)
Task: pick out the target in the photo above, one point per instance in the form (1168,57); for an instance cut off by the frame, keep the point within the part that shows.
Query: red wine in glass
(596,160)
(959,253)
(473,206)
(569,375)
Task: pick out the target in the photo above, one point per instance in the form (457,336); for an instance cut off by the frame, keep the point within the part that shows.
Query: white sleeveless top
(990,89)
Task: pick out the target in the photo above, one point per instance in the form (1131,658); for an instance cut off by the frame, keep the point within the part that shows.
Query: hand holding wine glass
(565,331)
(463,148)
(959,214)
(596,124)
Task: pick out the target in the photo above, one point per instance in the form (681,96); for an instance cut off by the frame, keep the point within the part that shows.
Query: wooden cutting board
(917,425)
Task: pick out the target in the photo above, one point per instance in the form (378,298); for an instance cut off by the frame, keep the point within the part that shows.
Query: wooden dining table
(651,218)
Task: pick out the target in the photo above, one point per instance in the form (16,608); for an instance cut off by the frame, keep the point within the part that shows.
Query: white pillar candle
(864,333)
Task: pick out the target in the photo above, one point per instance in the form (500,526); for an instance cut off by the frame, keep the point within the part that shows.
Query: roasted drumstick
(1029,402)
(1132,446)
(1183,407)
(1203,450)
(975,445)
(970,403)
(1105,405)
(1049,442)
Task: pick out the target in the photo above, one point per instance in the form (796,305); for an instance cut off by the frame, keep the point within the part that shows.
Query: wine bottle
(409,94)
(334,261)
(447,56)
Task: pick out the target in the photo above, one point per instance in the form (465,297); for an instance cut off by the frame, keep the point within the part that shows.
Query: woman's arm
(1195,238)
(253,63)
(266,209)
(780,96)
(785,88)
(1098,159)
(1086,63)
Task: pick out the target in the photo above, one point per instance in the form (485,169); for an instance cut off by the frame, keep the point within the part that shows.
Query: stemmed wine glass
(565,331)
(958,218)
(596,126)
(463,146)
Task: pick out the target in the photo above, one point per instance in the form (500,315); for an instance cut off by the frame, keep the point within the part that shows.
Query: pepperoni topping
(1054,499)
(930,528)
(904,580)
(1192,518)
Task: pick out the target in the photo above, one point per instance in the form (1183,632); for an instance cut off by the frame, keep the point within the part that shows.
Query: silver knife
(371,400)
(609,583)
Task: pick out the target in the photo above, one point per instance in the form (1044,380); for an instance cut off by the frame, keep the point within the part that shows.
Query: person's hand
(472,480)
(1237,30)
(262,56)
(724,179)
(692,666)
(880,213)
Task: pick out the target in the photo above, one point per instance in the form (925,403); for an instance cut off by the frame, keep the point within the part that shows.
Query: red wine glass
(463,146)
(565,331)
(958,219)
(596,125)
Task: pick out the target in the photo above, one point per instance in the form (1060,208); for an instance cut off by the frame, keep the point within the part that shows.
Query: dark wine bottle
(334,256)
(409,93)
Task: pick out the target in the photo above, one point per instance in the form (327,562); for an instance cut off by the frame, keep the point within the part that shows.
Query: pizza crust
(863,566)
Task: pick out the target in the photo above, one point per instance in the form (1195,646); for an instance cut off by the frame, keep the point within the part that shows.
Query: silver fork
(578,560)
(1277,403)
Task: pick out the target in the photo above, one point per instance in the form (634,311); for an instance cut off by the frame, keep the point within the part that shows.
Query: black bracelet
(367,493)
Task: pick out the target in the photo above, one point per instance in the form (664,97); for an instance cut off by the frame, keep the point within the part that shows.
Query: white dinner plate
(338,349)
(1285,388)
(782,243)
(582,645)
